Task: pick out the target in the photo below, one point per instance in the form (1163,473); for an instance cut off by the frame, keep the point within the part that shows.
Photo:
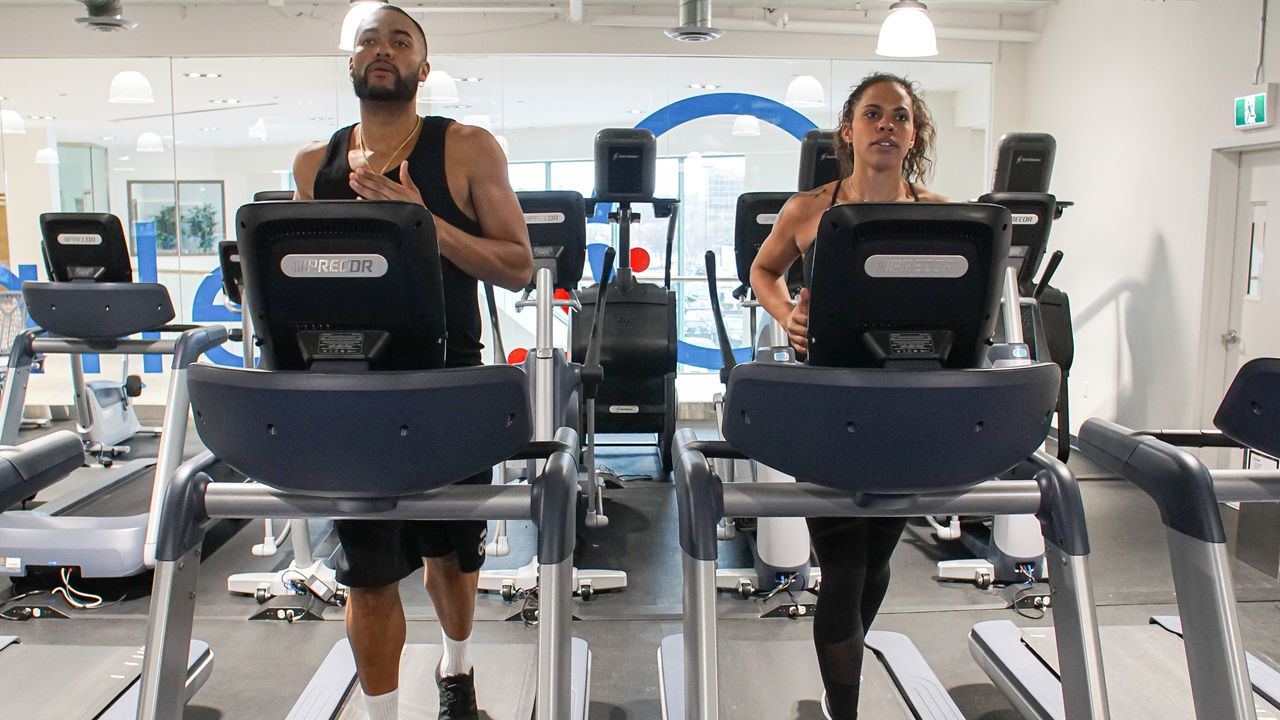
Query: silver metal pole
(1084,689)
(701,681)
(1246,485)
(79,394)
(1220,685)
(544,382)
(555,652)
(804,499)
(1011,308)
(163,691)
(173,438)
(14,401)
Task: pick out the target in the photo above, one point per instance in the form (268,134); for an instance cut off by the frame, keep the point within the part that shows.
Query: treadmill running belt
(1146,669)
(130,497)
(506,676)
(779,680)
(36,677)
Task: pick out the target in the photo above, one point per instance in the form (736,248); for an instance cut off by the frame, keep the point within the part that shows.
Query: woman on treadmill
(885,144)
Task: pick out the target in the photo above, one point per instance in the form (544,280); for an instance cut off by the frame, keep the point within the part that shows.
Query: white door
(1254,324)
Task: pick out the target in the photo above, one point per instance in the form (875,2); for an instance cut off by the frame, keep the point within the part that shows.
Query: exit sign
(1255,111)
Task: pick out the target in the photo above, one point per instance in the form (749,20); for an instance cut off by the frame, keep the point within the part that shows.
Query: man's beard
(404,89)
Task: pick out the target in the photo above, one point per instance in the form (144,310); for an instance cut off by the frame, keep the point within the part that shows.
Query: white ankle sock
(457,659)
(383,707)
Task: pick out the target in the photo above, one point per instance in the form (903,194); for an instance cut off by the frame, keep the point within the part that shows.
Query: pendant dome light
(805,92)
(746,126)
(356,14)
(11,123)
(439,88)
(907,32)
(130,88)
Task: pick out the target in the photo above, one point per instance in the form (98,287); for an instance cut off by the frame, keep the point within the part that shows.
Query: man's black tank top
(426,167)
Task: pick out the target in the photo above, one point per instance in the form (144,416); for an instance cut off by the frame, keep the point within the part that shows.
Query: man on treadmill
(459,173)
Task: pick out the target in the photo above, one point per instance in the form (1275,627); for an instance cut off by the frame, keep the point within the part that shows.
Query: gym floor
(261,666)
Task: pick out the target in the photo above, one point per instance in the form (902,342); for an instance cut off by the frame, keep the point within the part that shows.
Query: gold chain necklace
(860,198)
(416,127)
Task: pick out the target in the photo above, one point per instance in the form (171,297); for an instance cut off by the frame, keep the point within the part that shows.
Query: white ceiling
(302,99)
(990,6)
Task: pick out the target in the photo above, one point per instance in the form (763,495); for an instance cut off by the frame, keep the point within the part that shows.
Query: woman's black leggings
(854,556)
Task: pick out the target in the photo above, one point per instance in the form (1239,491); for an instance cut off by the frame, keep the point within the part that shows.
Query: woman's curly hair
(919,160)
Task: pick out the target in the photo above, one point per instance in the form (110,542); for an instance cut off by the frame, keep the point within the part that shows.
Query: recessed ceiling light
(208,129)
(472,79)
(202,75)
(121,169)
(457,107)
(42,117)
(123,157)
(108,137)
(635,111)
(228,101)
(704,86)
(321,119)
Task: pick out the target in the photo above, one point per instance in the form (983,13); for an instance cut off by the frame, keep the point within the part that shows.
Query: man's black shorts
(380,552)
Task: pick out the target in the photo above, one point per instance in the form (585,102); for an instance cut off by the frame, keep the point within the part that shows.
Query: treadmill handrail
(1053,496)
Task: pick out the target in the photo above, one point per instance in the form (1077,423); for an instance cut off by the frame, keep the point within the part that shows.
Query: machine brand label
(79,239)
(334,266)
(767,218)
(543,218)
(624,409)
(916,266)
(341,344)
(911,344)
(1025,218)
(1027,159)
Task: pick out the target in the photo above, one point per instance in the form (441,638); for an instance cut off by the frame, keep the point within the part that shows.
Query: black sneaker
(458,697)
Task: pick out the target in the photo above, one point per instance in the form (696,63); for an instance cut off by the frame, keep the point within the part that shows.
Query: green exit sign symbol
(1253,111)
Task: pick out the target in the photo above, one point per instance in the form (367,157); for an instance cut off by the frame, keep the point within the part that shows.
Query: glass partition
(176,169)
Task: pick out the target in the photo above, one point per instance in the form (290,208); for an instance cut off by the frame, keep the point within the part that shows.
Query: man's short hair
(421,33)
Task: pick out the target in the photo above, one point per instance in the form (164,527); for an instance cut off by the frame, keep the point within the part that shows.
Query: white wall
(1136,93)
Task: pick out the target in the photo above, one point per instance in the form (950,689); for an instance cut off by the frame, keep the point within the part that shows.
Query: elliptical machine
(559,388)
(1011,549)
(780,545)
(639,345)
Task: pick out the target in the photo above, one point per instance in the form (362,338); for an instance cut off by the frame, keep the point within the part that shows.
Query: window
(194,222)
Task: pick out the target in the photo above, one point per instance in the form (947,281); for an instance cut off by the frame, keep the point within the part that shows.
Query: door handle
(1230,337)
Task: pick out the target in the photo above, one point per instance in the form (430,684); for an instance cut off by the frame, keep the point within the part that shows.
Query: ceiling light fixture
(359,11)
(130,87)
(907,31)
(258,130)
(440,87)
(11,123)
(42,117)
(202,75)
(208,129)
(227,101)
(472,79)
(150,142)
(805,91)
(46,156)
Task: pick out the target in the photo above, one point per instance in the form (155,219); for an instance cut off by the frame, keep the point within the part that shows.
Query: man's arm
(502,256)
(306,165)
